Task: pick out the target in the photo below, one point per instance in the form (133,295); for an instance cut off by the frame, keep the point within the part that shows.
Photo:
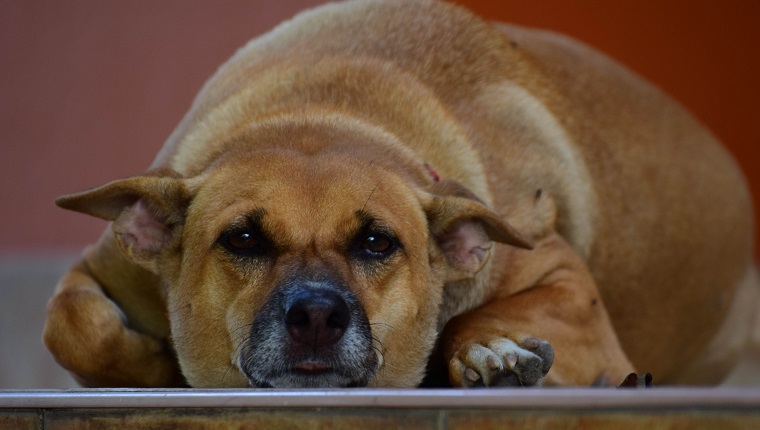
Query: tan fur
(639,222)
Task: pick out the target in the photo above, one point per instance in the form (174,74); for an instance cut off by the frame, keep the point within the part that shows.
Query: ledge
(661,408)
(516,399)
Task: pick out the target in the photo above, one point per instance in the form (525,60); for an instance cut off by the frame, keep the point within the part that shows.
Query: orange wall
(89,89)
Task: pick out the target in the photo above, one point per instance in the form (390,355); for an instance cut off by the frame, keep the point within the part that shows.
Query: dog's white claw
(471,375)
(492,363)
(511,360)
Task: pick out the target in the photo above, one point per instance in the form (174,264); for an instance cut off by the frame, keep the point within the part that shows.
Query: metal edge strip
(506,399)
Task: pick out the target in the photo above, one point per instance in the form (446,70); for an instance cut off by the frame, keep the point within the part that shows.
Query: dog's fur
(358,163)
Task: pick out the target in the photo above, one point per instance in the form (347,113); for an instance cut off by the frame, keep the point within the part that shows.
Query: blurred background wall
(89,90)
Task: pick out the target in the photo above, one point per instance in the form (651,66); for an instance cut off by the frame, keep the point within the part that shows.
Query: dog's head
(314,258)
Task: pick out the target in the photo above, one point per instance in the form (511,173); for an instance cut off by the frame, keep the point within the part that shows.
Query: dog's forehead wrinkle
(321,220)
(303,189)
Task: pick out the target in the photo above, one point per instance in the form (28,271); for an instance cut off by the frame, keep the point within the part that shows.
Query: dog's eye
(378,245)
(243,242)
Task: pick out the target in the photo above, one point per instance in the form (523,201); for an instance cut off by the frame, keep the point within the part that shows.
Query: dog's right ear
(147,211)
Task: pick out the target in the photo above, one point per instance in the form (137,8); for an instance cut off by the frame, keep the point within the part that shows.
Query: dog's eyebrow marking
(366,220)
(250,219)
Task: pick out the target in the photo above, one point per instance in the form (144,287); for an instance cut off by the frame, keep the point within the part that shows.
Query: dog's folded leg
(87,334)
(107,322)
(547,315)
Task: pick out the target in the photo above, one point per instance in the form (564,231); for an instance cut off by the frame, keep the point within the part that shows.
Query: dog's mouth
(309,335)
(312,368)
(310,374)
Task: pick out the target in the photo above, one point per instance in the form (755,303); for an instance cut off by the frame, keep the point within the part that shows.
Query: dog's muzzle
(310,334)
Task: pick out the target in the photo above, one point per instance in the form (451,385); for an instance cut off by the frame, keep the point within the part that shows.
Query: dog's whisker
(240,340)
(377,185)
(380,324)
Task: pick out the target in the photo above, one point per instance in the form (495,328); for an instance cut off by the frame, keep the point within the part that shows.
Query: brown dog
(325,216)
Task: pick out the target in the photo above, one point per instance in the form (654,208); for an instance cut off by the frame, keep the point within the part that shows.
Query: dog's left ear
(146,211)
(464,228)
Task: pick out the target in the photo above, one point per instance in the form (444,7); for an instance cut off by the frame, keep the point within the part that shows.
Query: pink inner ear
(141,230)
(466,245)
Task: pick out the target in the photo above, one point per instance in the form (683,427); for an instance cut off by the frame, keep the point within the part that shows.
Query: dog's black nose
(317,318)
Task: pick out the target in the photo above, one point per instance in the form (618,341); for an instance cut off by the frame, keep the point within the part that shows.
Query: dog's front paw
(501,362)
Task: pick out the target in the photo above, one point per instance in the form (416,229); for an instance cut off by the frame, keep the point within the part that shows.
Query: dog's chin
(308,375)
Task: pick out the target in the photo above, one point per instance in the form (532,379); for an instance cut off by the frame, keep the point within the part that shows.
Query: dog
(396,194)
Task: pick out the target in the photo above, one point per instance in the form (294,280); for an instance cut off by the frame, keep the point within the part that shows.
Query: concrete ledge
(660,408)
